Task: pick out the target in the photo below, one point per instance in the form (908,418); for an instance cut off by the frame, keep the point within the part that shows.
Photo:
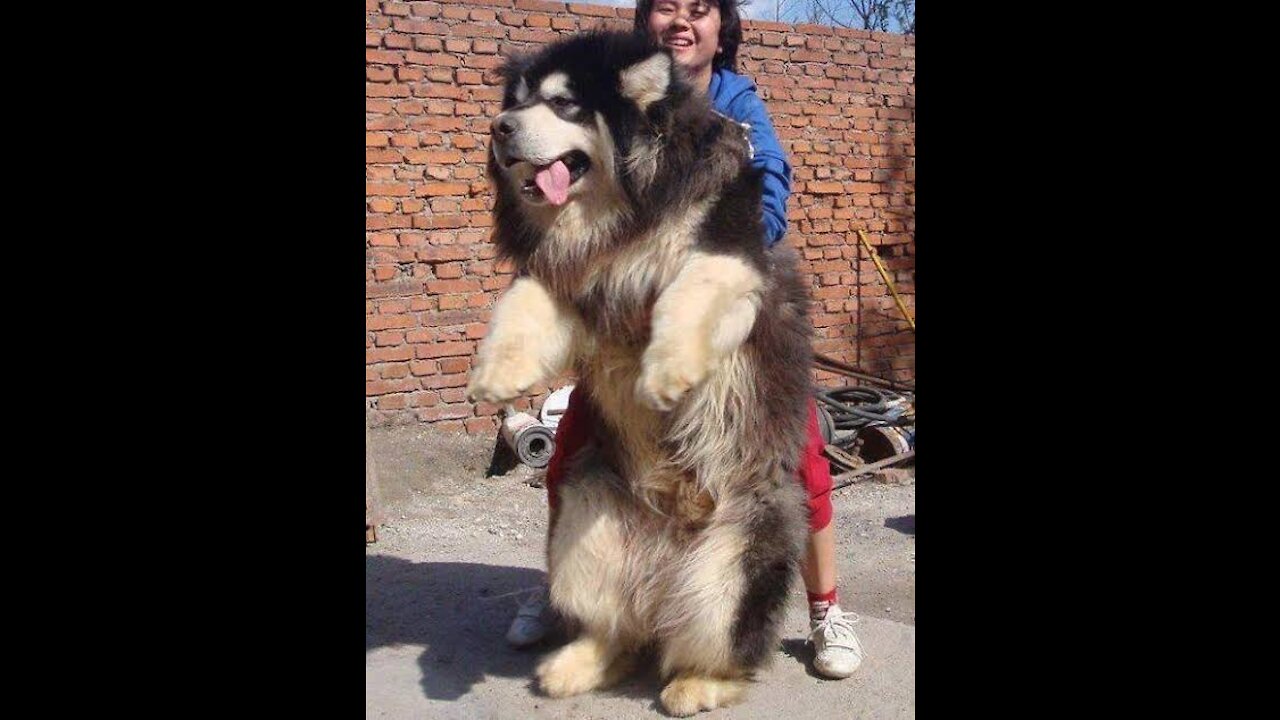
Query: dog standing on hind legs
(633,219)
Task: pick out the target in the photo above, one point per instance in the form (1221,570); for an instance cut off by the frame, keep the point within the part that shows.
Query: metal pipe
(875,257)
(849,477)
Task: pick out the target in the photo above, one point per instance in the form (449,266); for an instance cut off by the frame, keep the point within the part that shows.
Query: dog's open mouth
(551,182)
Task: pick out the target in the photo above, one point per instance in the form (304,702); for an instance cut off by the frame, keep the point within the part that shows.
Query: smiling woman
(701,38)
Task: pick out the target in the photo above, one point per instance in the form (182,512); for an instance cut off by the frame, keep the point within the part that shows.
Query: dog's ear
(646,82)
(515,89)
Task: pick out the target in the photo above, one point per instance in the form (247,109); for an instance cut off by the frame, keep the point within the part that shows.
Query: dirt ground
(464,536)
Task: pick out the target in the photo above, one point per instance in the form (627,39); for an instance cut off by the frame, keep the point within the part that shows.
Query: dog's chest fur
(615,300)
(632,438)
(617,289)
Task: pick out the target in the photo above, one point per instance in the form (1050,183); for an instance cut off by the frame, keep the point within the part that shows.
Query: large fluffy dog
(633,218)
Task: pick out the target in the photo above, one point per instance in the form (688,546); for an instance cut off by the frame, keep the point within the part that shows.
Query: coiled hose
(854,408)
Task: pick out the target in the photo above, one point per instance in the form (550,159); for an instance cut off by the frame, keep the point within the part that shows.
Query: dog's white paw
(575,668)
(507,374)
(688,695)
(665,376)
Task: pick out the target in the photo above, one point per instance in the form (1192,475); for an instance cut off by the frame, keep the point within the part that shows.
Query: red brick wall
(842,102)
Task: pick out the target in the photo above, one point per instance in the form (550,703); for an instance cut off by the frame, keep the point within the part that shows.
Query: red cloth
(574,431)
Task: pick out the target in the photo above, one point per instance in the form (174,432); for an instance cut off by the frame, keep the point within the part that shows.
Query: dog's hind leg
(587,663)
(689,693)
(697,625)
(585,562)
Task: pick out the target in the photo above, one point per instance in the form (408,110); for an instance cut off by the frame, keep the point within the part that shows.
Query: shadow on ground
(905,524)
(459,612)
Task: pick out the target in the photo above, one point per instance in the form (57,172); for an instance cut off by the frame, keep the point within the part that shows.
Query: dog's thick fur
(681,526)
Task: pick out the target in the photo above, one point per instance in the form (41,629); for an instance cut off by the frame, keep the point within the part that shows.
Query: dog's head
(575,113)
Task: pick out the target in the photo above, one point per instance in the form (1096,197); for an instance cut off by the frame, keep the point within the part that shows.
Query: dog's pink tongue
(553,181)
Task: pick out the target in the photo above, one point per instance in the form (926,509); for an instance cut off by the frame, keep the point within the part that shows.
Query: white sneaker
(837,651)
(531,623)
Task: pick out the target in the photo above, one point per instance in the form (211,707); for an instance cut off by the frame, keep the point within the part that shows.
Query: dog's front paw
(506,375)
(666,375)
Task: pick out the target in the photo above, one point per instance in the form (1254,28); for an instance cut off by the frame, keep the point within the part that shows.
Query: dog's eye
(561,103)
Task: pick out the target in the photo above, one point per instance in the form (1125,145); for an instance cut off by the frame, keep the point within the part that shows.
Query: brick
(389,320)
(420,368)
(533,36)
(395,189)
(811,29)
(444,287)
(439,350)
(448,271)
(455,365)
(541,6)
(434,189)
(432,58)
(405,140)
(392,354)
(392,402)
(397,42)
(444,413)
(382,387)
(824,188)
(387,90)
(426,44)
(425,9)
(383,57)
(488,30)
(593,10)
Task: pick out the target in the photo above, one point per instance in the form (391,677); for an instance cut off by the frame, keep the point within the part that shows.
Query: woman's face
(690,28)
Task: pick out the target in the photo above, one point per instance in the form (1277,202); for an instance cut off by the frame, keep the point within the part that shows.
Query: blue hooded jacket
(735,96)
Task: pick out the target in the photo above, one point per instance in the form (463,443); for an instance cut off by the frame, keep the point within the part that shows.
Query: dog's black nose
(503,127)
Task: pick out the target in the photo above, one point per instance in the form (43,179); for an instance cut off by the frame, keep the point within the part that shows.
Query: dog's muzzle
(552,176)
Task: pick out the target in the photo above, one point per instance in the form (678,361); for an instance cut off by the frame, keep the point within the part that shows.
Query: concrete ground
(464,538)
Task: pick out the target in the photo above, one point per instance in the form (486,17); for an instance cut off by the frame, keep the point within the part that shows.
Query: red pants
(578,421)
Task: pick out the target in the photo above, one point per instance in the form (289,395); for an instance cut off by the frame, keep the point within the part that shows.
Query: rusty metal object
(848,478)
(833,365)
(843,458)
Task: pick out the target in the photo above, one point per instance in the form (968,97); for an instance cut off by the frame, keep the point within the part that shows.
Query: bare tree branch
(867,14)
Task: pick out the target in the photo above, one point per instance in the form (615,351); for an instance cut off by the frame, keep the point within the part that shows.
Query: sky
(763,10)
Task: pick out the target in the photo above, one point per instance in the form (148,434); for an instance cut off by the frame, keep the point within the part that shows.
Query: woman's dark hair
(730,30)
